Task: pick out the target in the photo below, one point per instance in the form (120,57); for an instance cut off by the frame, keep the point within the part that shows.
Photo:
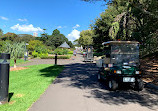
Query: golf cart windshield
(125,54)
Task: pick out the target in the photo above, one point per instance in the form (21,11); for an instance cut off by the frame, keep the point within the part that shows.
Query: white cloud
(22,20)
(4,18)
(59,27)
(76,26)
(26,28)
(75,34)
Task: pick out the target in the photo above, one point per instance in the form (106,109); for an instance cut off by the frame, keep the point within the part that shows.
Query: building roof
(120,42)
(64,45)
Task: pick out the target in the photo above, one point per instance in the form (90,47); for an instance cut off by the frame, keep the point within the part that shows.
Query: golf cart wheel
(139,85)
(113,85)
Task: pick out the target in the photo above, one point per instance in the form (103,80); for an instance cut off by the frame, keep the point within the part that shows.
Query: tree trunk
(14,63)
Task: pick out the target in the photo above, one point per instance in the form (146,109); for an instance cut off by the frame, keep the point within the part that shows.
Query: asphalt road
(77,89)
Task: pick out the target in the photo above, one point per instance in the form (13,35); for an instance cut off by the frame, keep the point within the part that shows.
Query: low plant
(58,57)
(35,54)
(60,51)
(43,55)
(70,52)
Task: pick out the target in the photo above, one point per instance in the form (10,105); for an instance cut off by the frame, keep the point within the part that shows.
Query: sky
(70,17)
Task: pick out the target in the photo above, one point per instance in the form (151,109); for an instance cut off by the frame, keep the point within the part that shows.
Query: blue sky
(28,16)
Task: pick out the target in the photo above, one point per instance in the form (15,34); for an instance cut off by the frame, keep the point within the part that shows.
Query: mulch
(18,68)
(149,67)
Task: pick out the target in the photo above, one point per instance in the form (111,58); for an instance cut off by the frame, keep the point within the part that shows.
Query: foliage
(1,32)
(43,55)
(28,85)
(70,52)
(114,30)
(56,39)
(76,43)
(33,44)
(134,20)
(9,36)
(41,49)
(44,37)
(86,37)
(102,25)
(24,38)
(58,57)
(35,54)
(16,50)
(61,51)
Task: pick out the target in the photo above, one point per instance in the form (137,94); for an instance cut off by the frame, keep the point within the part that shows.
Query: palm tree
(16,50)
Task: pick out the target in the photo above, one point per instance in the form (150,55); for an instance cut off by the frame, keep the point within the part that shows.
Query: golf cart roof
(119,42)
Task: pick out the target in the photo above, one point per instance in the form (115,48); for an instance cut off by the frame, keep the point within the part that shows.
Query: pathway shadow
(84,76)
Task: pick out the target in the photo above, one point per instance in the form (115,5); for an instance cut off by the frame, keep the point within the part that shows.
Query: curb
(150,85)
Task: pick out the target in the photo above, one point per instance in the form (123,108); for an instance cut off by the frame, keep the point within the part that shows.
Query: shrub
(41,49)
(33,44)
(43,55)
(65,51)
(16,50)
(51,52)
(35,54)
(70,52)
(60,51)
(59,57)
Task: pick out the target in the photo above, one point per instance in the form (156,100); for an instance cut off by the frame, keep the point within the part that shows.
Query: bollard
(55,59)
(4,77)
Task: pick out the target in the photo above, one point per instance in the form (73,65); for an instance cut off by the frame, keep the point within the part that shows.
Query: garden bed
(58,56)
(149,67)
(18,68)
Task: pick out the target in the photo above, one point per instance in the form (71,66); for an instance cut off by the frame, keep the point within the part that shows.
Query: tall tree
(56,39)
(24,38)
(1,32)
(9,36)
(86,37)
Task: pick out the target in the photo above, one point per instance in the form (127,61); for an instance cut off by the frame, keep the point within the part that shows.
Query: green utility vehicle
(120,65)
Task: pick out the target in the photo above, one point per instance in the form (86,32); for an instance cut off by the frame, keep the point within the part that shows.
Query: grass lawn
(18,61)
(27,85)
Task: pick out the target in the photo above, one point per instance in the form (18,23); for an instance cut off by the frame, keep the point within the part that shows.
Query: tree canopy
(86,38)
(135,20)
(56,39)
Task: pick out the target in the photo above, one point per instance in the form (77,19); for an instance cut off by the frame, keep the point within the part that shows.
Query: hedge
(59,57)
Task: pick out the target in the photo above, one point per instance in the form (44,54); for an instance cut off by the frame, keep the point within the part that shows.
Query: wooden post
(55,59)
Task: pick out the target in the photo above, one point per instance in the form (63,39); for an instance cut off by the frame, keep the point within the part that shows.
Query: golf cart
(88,57)
(120,64)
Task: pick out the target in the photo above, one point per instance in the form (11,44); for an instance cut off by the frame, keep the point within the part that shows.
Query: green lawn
(27,85)
(18,61)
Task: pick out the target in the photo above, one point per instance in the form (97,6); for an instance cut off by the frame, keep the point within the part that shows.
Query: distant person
(84,53)
(74,52)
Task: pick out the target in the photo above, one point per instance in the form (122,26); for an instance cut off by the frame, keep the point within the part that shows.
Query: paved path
(77,89)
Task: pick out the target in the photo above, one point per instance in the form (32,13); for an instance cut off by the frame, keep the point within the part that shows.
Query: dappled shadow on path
(84,76)
(147,98)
